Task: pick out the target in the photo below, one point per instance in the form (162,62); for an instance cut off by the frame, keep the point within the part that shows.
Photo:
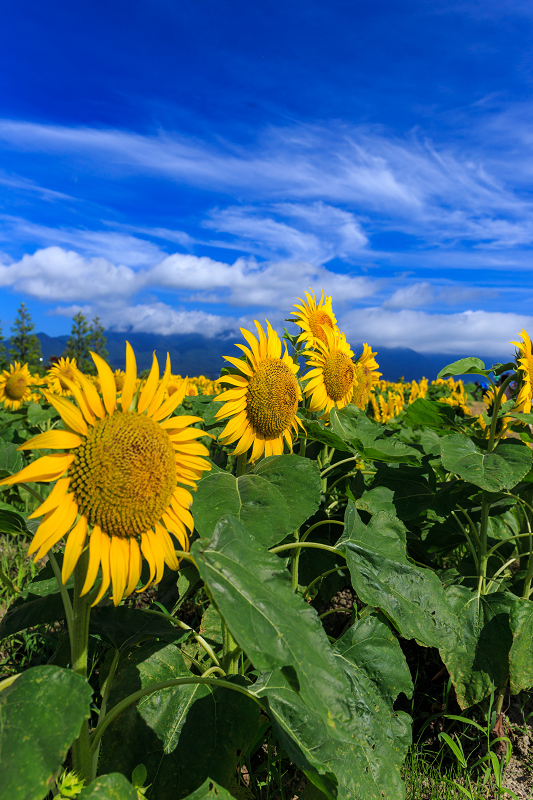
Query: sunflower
(15,385)
(524,363)
(263,401)
(117,479)
(119,376)
(366,375)
(60,375)
(314,319)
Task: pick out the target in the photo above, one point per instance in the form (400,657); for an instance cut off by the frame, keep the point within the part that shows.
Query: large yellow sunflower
(263,403)
(334,378)
(117,479)
(524,363)
(60,375)
(15,385)
(314,318)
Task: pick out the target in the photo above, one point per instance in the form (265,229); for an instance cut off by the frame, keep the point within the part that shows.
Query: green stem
(10,586)
(319,577)
(280,548)
(67,605)
(468,539)
(303,445)
(156,687)
(338,464)
(32,492)
(105,697)
(334,611)
(183,625)
(296,557)
(81,752)
(231,652)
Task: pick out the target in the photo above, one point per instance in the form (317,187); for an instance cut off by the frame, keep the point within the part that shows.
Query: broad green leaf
(479,661)
(210,790)
(183,734)
(274,626)
(122,627)
(366,765)
(412,491)
(379,498)
(250,498)
(318,432)
(521,654)
(11,460)
(11,521)
(297,480)
(383,577)
(37,415)
(430,414)
(368,437)
(40,716)
(465,366)
(527,418)
(109,787)
(501,469)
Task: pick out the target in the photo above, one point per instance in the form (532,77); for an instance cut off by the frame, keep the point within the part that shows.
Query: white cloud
(469,332)
(417,294)
(163,319)
(54,273)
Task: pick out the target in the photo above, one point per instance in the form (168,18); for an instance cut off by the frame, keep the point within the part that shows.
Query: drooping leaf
(182,734)
(109,787)
(465,366)
(274,626)
(383,577)
(521,654)
(501,469)
(368,437)
(210,790)
(271,501)
(366,765)
(430,414)
(40,716)
(11,460)
(479,661)
(11,521)
(318,432)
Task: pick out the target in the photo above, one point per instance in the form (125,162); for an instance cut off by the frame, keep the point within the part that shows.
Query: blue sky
(188,167)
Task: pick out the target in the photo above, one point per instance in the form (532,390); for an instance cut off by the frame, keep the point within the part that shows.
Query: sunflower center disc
(124,474)
(272,398)
(339,375)
(15,386)
(318,320)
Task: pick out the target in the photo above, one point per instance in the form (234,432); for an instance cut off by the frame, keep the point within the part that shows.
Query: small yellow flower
(524,363)
(15,385)
(60,375)
(314,319)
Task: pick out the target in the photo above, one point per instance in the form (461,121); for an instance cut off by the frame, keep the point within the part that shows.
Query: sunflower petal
(91,395)
(105,547)
(158,396)
(119,555)
(52,440)
(71,416)
(172,402)
(135,567)
(46,468)
(53,500)
(128,390)
(149,389)
(166,543)
(107,382)
(74,548)
(94,559)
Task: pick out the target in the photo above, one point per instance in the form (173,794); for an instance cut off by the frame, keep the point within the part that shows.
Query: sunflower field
(266,586)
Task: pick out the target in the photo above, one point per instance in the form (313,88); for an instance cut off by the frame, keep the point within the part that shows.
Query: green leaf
(37,415)
(183,734)
(249,498)
(11,521)
(122,627)
(318,432)
(11,460)
(39,602)
(210,790)
(501,469)
(521,654)
(430,414)
(364,765)
(109,787)
(479,661)
(274,626)
(368,437)
(465,366)
(379,498)
(297,480)
(382,576)
(40,716)
(411,488)
(271,501)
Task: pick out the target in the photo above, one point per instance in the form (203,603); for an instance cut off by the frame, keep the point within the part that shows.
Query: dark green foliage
(24,344)
(96,338)
(78,344)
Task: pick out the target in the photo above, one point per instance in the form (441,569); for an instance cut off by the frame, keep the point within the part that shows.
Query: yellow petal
(258,448)
(53,500)
(168,548)
(94,559)
(128,390)
(71,416)
(92,397)
(53,440)
(159,554)
(74,547)
(158,396)
(119,557)
(59,529)
(182,496)
(149,389)
(172,402)
(146,548)
(246,441)
(105,546)
(176,423)
(46,468)
(242,366)
(80,400)
(107,382)
(135,567)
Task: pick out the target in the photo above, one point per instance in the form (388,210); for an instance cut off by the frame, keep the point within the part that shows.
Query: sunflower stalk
(81,609)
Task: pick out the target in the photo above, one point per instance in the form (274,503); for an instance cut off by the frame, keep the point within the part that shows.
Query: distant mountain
(193,354)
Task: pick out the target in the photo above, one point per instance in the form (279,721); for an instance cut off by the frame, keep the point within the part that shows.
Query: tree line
(24,344)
